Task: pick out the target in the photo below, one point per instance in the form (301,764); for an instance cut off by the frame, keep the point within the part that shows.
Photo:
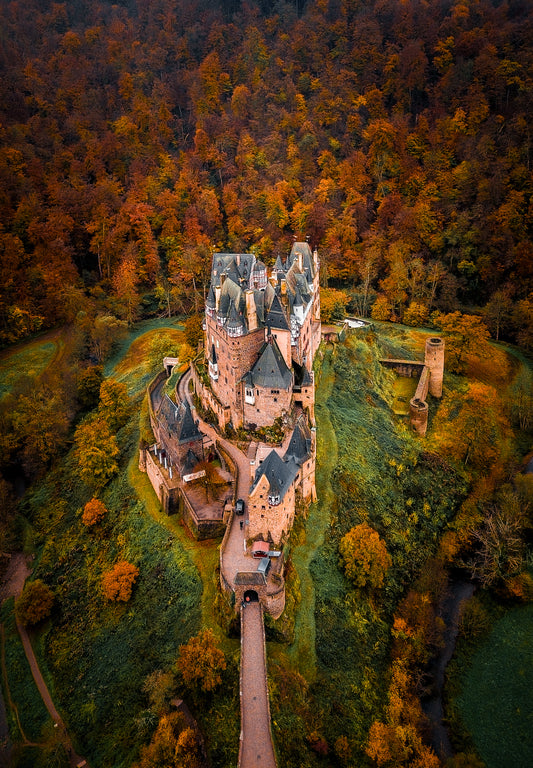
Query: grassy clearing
(30,360)
(404,389)
(29,711)
(148,329)
(496,703)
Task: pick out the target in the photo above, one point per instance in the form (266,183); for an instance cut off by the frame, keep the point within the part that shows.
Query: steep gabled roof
(299,448)
(235,319)
(178,420)
(275,317)
(279,474)
(270,370)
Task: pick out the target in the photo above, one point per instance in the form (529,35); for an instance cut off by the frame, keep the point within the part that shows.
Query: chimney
(301,262)
(217,296)
(238,259)
(222,278)
(251,312)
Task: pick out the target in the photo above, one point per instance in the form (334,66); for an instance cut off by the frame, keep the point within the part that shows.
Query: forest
(136,138)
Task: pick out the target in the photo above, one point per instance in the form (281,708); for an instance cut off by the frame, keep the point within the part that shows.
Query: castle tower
(434,360)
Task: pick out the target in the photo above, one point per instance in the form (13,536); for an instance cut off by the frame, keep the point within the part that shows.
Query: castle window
(274,499)
(249,395)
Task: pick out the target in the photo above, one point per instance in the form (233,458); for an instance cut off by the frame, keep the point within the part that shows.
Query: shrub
(365,556)
(93,512)
(200,662)
(118,582)
(35,603)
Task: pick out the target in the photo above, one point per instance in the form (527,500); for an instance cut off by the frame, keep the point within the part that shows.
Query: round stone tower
(434,359)
(418,415)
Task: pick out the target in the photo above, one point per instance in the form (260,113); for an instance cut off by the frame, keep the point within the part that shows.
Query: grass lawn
(496,702)
(24,704)
(30,360)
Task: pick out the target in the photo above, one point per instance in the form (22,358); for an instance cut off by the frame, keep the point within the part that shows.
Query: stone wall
(269,405)
(210,400)
(167,493)
(201,529)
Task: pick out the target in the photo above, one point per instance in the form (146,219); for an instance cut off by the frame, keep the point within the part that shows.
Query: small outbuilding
(260,549)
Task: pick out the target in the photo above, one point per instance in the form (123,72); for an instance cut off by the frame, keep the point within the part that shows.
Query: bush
(200,662)
(93,512)
(34,604)
(118,582)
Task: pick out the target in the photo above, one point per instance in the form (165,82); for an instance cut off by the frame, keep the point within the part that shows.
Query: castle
(261,337)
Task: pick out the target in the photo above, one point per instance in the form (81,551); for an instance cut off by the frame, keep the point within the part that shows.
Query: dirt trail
(12,586)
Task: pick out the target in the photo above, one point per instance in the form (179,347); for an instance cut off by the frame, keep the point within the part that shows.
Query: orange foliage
(93,512)
(201,662)
(118,582)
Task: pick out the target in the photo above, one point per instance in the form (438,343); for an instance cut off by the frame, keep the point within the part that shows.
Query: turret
(434,360)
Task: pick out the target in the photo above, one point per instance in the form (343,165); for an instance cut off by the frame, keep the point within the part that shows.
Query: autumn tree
(104,333)
(158,686)
(200,662)
(365,556)
(173,745)
(93,512)
(501,549)
(34,604)
(333,304)
(118,582)
(162,345)
(467,339)
(115,404)
(89,383)
(97,451)
(473,428)
(193,331)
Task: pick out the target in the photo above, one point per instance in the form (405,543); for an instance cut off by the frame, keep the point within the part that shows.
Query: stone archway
(251,596)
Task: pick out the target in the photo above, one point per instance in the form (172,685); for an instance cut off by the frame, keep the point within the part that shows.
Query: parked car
(239,507)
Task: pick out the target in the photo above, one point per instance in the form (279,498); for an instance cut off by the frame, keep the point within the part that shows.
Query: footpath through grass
(27,714)
(496,702)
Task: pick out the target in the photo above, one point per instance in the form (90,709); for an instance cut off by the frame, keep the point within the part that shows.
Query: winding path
(12,587)
(256,749)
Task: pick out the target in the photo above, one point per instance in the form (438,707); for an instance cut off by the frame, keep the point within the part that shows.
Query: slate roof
(308,263)
(271,371)
(235,318)
(299,448)
(190,463)
(177,420)
(279,473)
(226,263)
(275,317)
